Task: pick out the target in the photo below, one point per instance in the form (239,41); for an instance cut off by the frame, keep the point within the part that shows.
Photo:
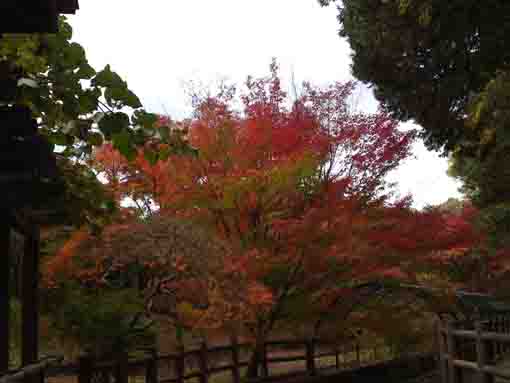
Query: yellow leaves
(425,15)
(403,6)
(457,252)
(23,49)
(185,310)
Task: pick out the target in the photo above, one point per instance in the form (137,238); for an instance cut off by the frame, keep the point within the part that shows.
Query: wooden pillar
(481,353)
(236,372)
(30,298)
(5,232)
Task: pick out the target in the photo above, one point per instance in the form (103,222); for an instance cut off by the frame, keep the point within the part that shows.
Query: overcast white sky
(158,45)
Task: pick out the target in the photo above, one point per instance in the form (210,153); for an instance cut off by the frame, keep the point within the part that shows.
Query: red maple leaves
(297,192)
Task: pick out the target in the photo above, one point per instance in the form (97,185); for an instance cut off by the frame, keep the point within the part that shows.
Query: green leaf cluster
(427,58)
(102,322)
(78,107)
(445,65)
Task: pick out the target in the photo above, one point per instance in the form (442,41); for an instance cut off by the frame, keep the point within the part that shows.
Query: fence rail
(30,372)
(202,363)
(474,352)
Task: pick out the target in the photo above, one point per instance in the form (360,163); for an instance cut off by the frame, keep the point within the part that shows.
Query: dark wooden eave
(67,7)
(29,16)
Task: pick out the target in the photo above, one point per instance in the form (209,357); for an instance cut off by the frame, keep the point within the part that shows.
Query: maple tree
(286,185)
(296,195)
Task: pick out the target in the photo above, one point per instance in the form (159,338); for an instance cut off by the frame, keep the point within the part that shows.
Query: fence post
(506,330)
(121,368)
(202,362)
(358,354)
(452,353)
(443,353)
(310,356)
(497,345)
(85,368)
(179,364)
(151,371)
(265,367)
(481,356)
(42,376)
(337,357)
(236,372)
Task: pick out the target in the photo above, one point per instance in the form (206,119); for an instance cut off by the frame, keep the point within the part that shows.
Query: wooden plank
(290,342)
(191,375)
(167,357)
(500,373)
(331,353)
(5,233)
(222,368)
(465,364)
(216,349)
(468,334)
(287,359)
(494,336)
(29,371)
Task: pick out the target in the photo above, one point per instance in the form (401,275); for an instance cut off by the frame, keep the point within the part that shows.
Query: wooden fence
(222,363)
(33,373)
(474,351)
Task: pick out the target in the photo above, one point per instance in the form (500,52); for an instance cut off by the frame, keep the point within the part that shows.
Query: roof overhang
(28,16)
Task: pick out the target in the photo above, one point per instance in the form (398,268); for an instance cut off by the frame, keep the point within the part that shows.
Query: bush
(102,322)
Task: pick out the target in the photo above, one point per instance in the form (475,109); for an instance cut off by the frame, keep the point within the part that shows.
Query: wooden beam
(5,232)
(30,299)
(67,6)
(28,16)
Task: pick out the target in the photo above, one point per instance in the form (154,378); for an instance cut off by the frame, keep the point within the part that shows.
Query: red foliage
(298,192)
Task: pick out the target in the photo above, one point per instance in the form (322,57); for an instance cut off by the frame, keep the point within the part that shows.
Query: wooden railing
(32,373)
(203,363)
(474,352)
